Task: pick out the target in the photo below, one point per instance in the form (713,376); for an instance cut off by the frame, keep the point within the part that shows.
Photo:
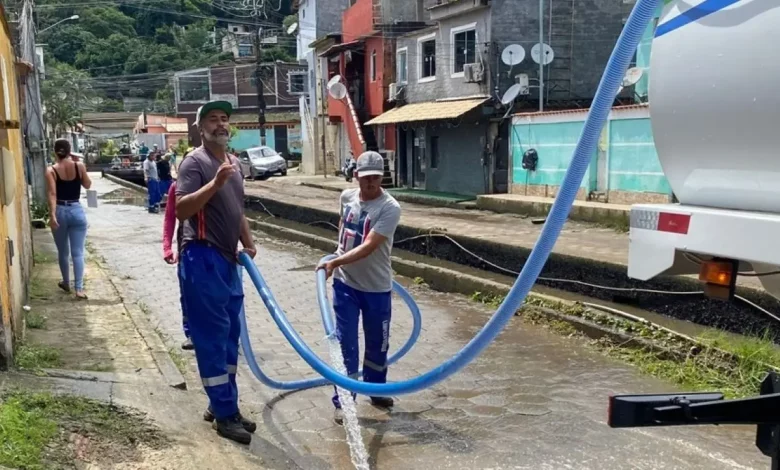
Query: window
(373,65)
(464,44)
(296,83)
(401,65)
(434,151)
(194,87)
(245,50)
(427,54)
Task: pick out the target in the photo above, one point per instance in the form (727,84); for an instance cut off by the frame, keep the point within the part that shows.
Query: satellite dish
(549,55)
(632,76)
(336,79)
(337,91)
(510,94)
(513,54)
(291,29)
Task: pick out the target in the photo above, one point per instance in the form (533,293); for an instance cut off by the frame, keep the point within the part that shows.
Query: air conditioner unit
(392,90)
(472,73)
(522,80)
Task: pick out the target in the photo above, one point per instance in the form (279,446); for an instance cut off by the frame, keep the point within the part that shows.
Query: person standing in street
(152,179)
(363,276)
(164,172)
(210,205)
(169,225)
(68,222)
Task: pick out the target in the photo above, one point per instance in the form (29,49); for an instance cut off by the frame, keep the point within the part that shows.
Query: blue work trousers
(213,296)
(153,191)
(349,303)
(184,322)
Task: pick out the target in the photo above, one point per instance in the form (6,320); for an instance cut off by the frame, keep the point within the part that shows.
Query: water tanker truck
(715,114)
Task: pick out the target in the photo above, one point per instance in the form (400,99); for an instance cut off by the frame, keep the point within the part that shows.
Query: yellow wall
(14,214)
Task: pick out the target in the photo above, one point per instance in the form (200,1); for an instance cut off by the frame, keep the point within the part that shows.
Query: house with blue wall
(624,169)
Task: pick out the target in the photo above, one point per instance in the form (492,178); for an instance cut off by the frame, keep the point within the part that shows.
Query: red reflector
(674,223)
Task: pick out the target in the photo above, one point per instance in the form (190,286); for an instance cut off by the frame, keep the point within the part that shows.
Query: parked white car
(262,162)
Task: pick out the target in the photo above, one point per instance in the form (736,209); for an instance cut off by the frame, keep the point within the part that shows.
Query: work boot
(233,429)
(187,345)
(382,402)
(338,416)
(248,424)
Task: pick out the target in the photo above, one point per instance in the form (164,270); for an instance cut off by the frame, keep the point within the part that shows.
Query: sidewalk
(613,215)
(106,350)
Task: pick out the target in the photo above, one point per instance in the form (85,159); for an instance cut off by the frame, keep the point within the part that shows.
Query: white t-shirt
(150,169)
(358,218)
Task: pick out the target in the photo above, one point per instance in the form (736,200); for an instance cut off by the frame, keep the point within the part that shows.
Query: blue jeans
(70,238)
(214,296)
(349,304)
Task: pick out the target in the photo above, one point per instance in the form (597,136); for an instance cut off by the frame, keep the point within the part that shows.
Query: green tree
(66,92)
(105,21)
(108,56)
(164,100)
(109,105)
(68,39)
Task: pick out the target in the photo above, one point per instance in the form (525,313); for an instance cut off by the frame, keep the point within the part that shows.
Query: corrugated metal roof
(269,118)
(579,111)
(427,111)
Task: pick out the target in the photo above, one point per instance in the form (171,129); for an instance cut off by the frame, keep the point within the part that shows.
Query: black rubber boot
(248,424)
(382,402)
(233,429)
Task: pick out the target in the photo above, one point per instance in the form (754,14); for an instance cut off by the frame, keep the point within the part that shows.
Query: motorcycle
(348,170)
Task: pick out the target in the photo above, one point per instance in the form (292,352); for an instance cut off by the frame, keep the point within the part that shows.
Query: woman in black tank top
(68,221)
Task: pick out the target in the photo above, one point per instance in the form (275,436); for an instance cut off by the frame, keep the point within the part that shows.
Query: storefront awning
(427,111)
(341,47)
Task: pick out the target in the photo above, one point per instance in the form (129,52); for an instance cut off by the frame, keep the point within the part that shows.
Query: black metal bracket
(626,411)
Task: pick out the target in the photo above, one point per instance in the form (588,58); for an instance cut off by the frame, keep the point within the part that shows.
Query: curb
(124,183)
(173,377)
(410,198)
(450,281)
(612,215)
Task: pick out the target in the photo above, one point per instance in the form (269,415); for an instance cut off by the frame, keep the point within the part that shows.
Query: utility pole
(259,79)
(34,127)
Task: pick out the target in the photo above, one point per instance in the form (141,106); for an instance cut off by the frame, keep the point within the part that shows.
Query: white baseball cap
(370,163)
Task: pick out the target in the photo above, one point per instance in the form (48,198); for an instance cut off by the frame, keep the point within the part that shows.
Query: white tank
(715,103)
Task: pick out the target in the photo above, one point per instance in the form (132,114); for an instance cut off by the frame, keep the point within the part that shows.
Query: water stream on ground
(357,448)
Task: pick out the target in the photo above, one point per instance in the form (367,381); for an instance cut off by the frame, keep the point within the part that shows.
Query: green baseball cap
(211,106)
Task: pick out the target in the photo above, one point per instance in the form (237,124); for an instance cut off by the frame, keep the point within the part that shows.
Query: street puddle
(357,448)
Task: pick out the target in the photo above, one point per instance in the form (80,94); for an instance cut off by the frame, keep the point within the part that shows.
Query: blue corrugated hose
(602,103)
(327,321)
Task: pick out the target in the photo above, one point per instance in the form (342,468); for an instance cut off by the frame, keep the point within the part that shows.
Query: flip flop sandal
(81,296)
(63,286)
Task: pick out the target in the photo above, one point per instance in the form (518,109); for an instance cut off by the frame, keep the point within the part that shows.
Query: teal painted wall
(633,161)
(555,144)
(248,138)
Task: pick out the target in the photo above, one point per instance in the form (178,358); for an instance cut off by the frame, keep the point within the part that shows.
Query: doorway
(501,159)
(418,159)
(280,141)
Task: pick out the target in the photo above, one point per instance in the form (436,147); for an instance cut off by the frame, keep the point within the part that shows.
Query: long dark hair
(62,148)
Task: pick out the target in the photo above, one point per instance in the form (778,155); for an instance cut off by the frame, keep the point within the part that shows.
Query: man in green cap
(210,206)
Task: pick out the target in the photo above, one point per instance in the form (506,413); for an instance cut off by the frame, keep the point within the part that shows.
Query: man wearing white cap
(363,276)
(210,206)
